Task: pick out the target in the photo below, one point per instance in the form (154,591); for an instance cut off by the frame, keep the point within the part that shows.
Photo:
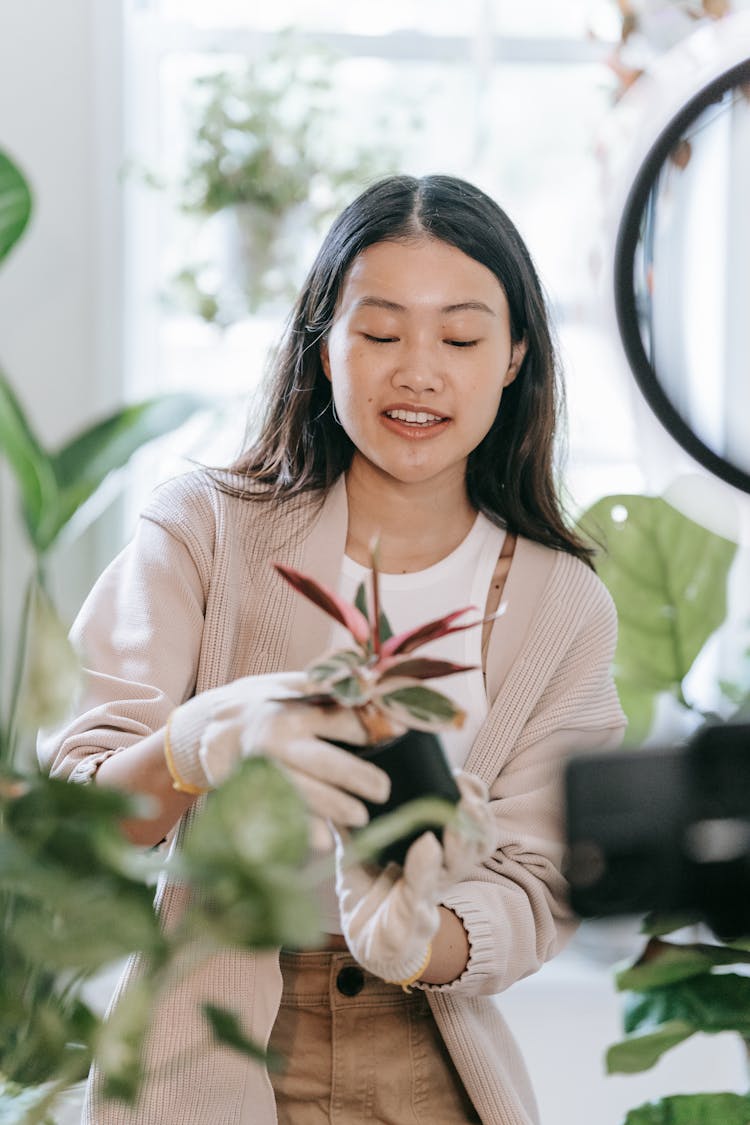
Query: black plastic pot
(417,766)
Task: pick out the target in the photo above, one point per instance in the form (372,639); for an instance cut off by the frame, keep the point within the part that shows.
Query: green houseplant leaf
(81,466)
(30,464)
(667,576)
(15,204)
(693,1109)
(711,1003)
(54,486)
(665,962)
(641,1052)
(662,1017)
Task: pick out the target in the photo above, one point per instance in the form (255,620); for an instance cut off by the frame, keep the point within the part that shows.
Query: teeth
(419,416)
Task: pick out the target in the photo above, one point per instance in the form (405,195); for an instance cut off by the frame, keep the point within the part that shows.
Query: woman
(413,398)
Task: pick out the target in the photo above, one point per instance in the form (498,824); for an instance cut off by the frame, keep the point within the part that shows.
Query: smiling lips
(414,422)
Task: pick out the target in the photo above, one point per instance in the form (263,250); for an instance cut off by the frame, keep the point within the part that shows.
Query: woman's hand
(257,715)
(390,916)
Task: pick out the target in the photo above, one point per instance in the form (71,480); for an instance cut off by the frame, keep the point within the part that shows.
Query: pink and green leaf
(347,615)
(431,631)
(423,668)
(422,708)
(334,666)
(349,692)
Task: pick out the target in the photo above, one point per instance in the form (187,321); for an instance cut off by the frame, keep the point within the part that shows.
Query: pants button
(350,980)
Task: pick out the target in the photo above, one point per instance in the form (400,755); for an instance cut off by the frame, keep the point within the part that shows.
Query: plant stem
(376,725)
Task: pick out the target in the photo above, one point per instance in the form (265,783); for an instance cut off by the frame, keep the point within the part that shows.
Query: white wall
(59,313)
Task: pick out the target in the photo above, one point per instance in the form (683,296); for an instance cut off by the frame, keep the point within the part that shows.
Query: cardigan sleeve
(514,907)
(138,635)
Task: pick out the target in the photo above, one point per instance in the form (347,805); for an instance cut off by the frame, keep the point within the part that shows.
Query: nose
(419,368)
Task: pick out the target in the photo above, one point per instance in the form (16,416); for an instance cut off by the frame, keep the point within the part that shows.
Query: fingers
(471,787)
(327,801)
(336,722)
(335,767)
(469,840)
(476,825)
(321,837)
(423,864)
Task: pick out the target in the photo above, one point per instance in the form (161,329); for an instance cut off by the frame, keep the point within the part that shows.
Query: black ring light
(628,235)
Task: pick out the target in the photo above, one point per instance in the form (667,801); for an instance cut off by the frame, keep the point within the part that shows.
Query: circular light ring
(628,234)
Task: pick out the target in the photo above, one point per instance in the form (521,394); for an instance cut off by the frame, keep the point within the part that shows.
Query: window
(510,96)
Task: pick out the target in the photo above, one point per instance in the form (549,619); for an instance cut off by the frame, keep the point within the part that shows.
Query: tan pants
(357,1050)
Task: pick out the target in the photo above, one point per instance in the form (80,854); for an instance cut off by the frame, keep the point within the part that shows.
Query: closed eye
(462,343)
(380,339)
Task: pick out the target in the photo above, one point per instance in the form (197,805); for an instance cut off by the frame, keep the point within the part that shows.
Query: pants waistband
(322,976)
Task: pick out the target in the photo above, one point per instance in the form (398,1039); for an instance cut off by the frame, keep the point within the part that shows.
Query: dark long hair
(510,475)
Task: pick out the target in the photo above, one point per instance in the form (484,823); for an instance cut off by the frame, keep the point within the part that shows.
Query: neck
(415,525)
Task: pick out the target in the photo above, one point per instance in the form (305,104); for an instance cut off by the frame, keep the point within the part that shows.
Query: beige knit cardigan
(193,602)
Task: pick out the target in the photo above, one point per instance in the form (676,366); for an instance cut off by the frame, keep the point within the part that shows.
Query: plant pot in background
(417,766)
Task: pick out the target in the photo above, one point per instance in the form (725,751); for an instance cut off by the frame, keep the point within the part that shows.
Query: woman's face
(418,355)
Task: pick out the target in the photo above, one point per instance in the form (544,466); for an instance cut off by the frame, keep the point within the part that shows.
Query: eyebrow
(393,306)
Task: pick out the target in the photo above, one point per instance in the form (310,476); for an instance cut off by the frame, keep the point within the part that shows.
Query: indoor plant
(74,895)
(382,682)
(668,577)
(267,167)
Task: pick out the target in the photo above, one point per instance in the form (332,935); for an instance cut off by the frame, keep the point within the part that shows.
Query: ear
(517,356)
(325,359)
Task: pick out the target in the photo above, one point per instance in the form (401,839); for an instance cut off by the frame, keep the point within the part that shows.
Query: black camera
(664,829)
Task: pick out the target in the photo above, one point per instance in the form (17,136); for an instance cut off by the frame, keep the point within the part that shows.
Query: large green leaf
(67,903)
(15,204)
(661,1018)
(30,464)
(668,577)
(664,962)
(641,1052)
(83,463)
(249,845)
(53,486)
(257,818)
(709,1003)
(693,1109)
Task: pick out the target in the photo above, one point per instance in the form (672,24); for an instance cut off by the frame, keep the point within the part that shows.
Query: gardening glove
(389,916)
(206,737)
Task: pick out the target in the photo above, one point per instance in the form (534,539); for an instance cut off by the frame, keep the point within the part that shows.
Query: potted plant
(668,577)
(267,169)
(382,682)
(75,896)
